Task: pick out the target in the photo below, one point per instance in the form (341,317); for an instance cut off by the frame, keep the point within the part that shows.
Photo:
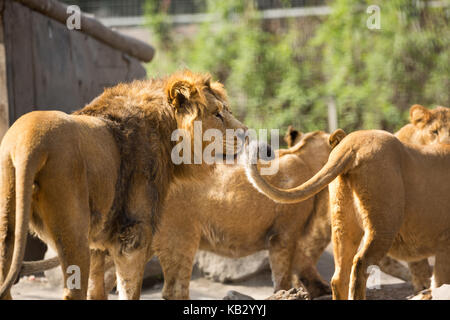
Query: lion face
(432,126)
(202,109)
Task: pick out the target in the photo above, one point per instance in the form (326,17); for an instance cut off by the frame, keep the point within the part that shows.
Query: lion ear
(179,92)
(291,135)
(336,137)
(208,82)
(419,115)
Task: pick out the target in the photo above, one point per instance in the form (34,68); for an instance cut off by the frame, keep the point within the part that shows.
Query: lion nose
(243,128)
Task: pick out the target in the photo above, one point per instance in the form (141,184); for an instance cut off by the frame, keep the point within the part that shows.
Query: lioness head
(431,126)
(316,142)
(201,104)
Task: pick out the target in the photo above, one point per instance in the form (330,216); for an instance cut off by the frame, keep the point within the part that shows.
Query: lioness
(426,127)
(420,271)
(391,194)
(97,179)
(229,217)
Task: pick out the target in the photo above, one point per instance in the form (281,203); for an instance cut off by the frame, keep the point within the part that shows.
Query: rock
(291,294)
(441,293)
(222,269)
(234,295)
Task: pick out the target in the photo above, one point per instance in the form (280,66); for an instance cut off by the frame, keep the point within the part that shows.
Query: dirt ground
(258,287)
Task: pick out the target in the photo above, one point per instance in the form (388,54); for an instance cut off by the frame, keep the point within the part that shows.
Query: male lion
(229,217)
(392,195)
(96,179)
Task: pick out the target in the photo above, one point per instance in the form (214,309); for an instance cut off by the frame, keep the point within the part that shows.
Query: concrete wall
(45,66)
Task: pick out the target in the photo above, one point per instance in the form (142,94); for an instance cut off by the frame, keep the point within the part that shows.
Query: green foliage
(279,73)
(376,75)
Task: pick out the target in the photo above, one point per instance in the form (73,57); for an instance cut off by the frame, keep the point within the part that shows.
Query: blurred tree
(282,72)
(376,75)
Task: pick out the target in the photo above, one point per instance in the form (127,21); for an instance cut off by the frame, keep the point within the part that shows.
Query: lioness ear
(179,92)
(336,137)
(290,136)
(419,115)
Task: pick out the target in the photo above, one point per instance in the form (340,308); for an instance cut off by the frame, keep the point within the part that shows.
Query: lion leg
(311,245)
(62,202)
(96,289)
(382,218)
(73,253)
(177,277)
(65,220)
(130,269)
(346,236)
(318,235)
(375,247)
(281,255)
(442,264)
(177,263)
(421,273)
(307,274)
(74,257)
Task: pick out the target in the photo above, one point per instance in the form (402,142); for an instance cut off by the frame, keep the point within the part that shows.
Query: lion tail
(337,164)
(31,267)
(24,177)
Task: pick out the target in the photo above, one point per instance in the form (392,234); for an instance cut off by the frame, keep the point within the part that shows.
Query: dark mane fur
(142,116)
(141,122)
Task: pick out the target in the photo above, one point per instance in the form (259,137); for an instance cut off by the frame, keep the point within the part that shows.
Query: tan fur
(392,195)
(427,127)
(388,265)
(97,179)
(227,216)
(292,136)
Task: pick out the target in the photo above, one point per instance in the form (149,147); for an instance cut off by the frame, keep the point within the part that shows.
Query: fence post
(332,115)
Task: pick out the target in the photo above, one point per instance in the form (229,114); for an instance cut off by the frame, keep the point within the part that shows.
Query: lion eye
(219,115)
(435,132)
